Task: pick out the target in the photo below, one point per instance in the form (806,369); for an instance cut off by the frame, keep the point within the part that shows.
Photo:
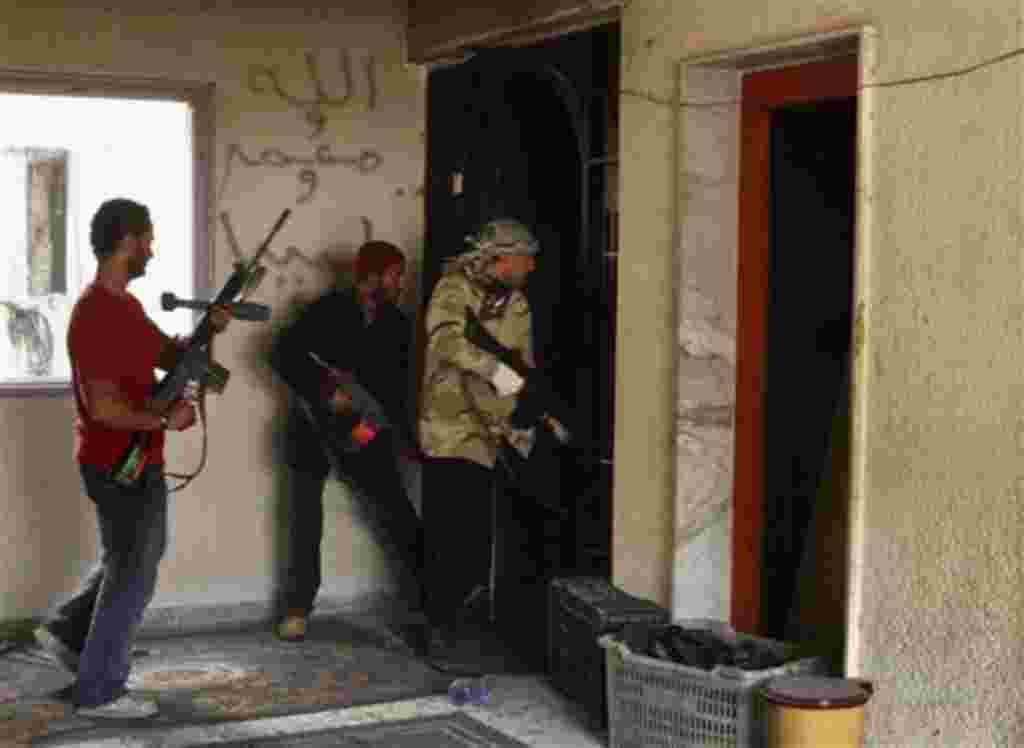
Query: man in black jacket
(346,362)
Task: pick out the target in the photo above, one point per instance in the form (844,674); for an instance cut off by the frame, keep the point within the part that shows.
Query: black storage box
(581,610)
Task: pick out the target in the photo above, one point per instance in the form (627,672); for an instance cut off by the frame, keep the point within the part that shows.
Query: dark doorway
(530,133)
(809,326)
(794,320)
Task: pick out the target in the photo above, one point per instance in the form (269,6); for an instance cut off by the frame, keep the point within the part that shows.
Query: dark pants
(457,504)
(373,473)
(100,620)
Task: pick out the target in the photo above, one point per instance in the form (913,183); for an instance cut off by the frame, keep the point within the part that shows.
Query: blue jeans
(100,620)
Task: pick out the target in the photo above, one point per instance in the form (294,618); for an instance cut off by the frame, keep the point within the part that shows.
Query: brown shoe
(292,628)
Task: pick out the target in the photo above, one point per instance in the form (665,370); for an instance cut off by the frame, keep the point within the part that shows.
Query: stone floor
(524,706)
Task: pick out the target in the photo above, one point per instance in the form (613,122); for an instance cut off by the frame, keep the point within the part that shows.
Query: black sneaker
(56,648)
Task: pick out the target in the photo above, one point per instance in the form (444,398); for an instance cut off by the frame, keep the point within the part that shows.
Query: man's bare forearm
(106,404)
(119,414)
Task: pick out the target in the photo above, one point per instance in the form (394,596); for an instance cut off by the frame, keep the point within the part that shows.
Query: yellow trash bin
(807,711)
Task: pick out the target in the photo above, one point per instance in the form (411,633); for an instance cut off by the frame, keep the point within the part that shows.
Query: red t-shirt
(111,338)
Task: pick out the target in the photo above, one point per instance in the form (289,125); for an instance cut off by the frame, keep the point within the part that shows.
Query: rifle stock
(194,364)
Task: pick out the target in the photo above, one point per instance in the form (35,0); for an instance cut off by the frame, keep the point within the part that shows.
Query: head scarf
(504,236)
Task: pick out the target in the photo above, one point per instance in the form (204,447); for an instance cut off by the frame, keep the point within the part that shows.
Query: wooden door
(763,93)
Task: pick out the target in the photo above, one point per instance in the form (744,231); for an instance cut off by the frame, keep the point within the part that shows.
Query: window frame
(199,95)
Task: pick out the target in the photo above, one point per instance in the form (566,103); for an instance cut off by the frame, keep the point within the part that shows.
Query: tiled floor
(525,707)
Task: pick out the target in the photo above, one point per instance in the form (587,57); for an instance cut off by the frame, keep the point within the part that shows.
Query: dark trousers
(457,507)
(373,473)
(101,619)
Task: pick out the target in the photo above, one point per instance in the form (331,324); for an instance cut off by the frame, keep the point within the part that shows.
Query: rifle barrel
(273,232)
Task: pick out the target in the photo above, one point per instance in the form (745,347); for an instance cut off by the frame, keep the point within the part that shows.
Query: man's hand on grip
(531,402)
(181,416)
(220,316)
(341,401)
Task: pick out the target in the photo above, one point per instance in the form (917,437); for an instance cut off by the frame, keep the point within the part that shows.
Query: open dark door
(795,287)
(525,133)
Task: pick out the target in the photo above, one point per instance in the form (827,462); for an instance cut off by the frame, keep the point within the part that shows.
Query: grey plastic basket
(654,703)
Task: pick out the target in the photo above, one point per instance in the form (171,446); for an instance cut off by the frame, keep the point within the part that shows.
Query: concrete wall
(223,549)
(936,604)
(705,278)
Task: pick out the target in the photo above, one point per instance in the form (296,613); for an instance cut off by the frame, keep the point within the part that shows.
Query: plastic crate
(580,610)
(655,703)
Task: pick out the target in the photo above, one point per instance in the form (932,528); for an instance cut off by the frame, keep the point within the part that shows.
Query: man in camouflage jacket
(468,397)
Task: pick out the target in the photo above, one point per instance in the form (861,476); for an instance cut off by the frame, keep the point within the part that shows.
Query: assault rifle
(351,431)
(194,363)
(537,402)
(530,476)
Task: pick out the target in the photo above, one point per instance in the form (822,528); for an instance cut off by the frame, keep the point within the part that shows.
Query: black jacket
(377,355)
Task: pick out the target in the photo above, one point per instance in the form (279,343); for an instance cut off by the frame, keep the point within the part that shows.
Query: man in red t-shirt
(114,348)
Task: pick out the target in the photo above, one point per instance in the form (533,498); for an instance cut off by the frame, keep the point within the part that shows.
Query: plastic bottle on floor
(481,692)
(475,691)
(458,691)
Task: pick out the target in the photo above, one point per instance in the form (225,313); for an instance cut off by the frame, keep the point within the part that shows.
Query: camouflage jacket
(461,414)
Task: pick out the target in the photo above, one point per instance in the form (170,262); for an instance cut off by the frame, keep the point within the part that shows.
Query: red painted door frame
(763,92)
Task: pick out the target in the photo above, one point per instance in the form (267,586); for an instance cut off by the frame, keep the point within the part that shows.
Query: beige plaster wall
(936,617)
(223,547)
(645,454)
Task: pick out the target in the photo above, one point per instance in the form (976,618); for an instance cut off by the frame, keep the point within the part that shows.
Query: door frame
(762,92)
(569,73)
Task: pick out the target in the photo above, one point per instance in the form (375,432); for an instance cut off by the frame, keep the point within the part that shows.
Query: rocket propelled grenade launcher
(195,364)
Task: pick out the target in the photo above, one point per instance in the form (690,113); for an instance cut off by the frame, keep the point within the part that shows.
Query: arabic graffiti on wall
(333,262)
(264,79)
(366,162)
(315,100)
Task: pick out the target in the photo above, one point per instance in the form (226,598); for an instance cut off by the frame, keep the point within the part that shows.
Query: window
(61,156)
